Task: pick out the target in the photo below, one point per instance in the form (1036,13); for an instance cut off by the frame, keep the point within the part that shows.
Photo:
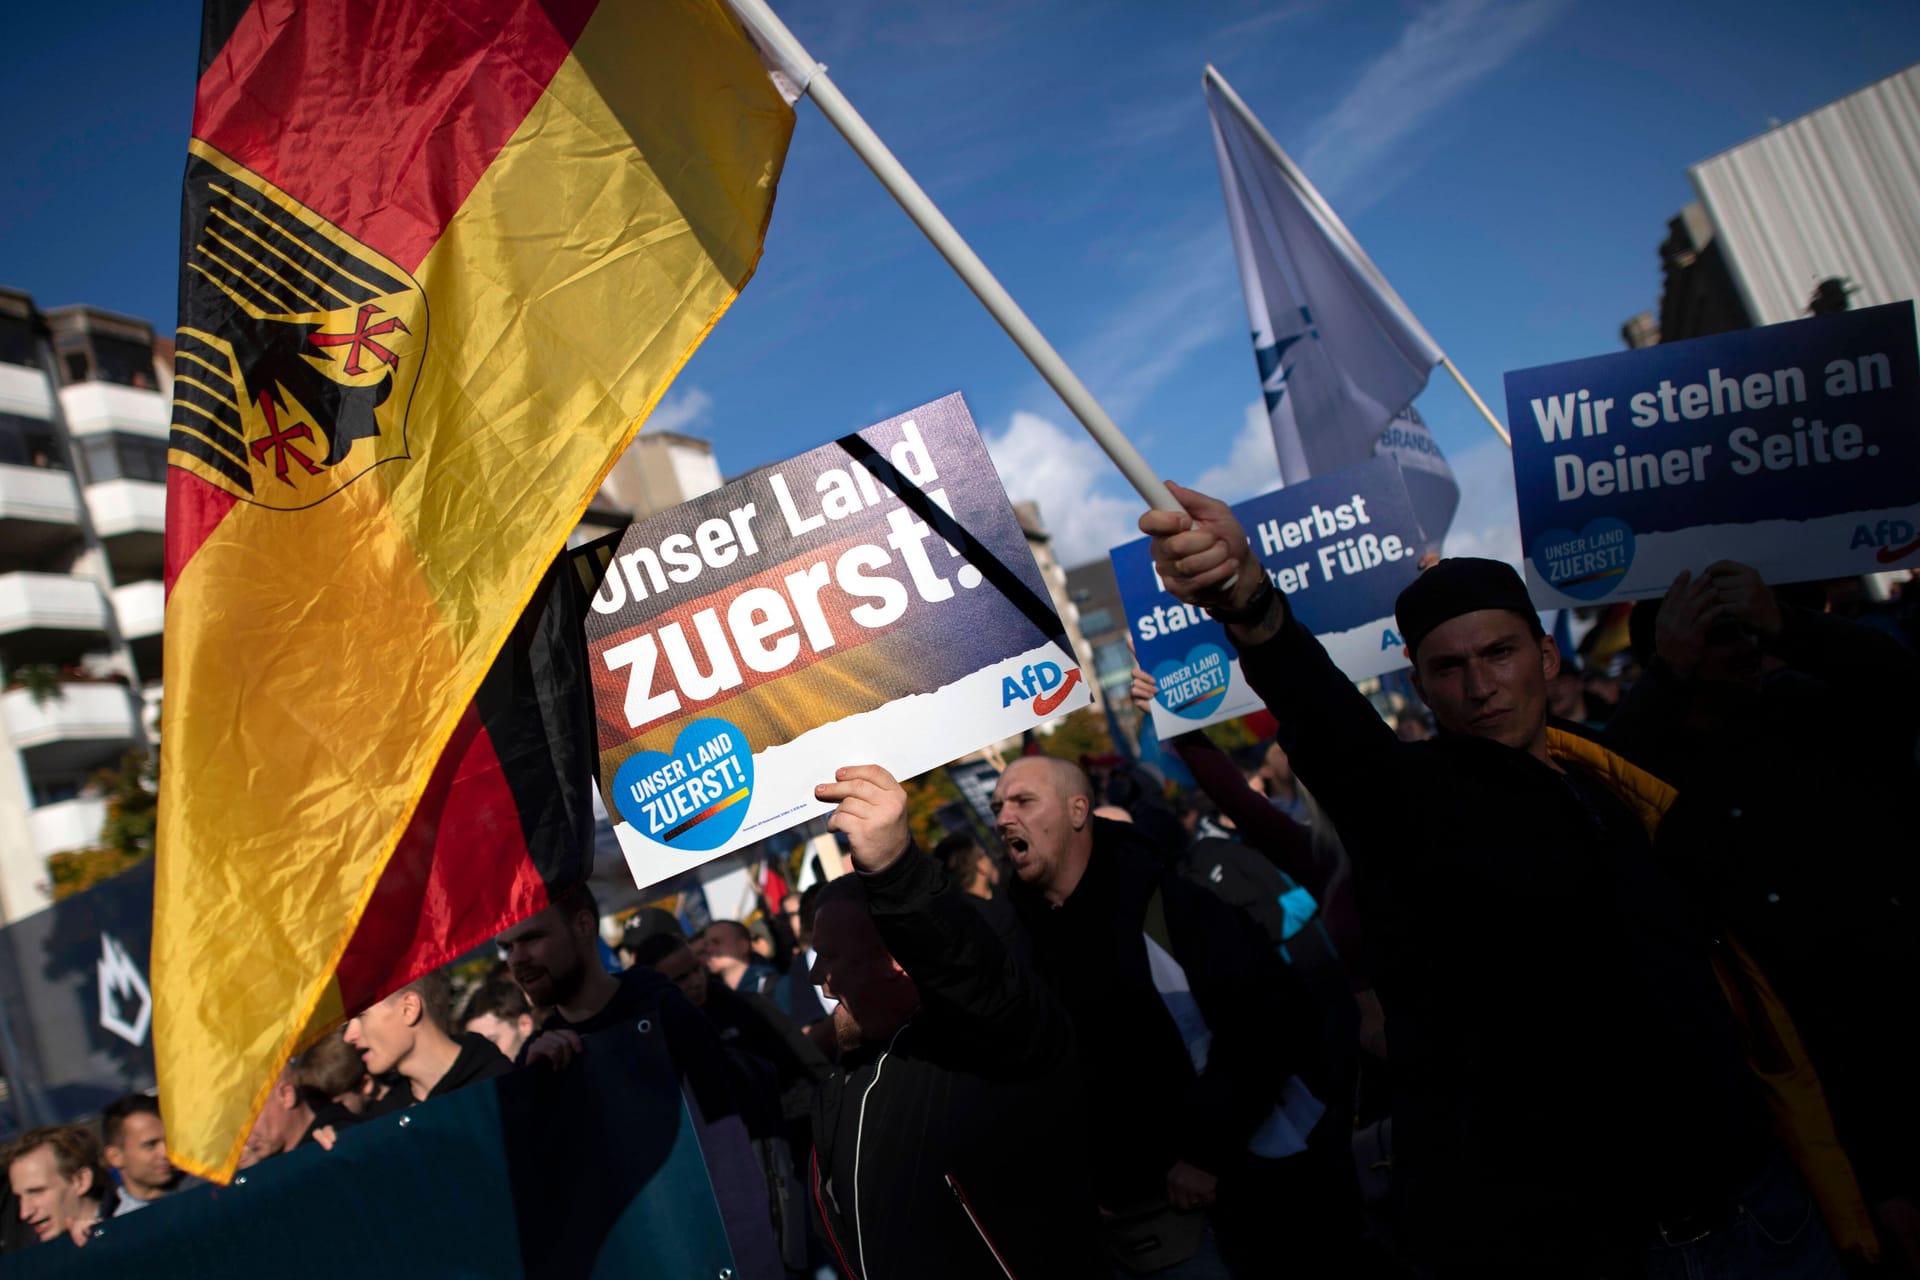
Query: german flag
(440,258)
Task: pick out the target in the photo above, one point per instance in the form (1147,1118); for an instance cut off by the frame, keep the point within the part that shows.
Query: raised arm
(1331,732)
(963,971)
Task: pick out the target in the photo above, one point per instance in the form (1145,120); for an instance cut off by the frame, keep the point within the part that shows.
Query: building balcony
(39,514)
(86,727)
(94,408)
(131,518)
(23,390)
(141,609)
(67,825)
(49,617)
(123,508)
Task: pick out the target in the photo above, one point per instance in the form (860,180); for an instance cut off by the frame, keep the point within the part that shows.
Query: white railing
(141,609)
(127,506)
(95,407)
(69,824)
(50,601)
(40,494)
(83,712)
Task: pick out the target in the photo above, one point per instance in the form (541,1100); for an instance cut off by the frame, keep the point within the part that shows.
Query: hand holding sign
(1196,552)
(1686,615)
(872,814)
(1745,597)
(1336,549)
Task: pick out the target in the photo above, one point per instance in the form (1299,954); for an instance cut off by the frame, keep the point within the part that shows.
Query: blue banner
(1341,546)
(1794,448)
(595,1171)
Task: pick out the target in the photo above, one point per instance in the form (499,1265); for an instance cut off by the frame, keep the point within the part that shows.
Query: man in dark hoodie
(950,1144)
(1574,1095)
(1191,1031)
(408,1032)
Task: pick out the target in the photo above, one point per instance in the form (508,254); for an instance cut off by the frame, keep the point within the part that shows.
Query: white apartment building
(82,524)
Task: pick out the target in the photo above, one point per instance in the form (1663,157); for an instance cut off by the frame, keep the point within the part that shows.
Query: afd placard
(1342,546)
(1794,448)
(870,602)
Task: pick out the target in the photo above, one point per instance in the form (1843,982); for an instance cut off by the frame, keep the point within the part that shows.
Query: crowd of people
(1559,975)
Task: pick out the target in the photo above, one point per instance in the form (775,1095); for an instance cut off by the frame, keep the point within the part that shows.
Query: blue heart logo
(694,797)
(1194,685)
(1588,564)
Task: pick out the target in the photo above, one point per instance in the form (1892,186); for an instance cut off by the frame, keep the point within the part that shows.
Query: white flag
(1340,356)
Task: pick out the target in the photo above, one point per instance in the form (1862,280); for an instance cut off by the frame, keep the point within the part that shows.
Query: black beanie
(1464,584)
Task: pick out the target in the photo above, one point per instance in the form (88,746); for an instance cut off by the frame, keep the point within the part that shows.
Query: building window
(128,363)
(1113,659)
(123,457)
(16,341)
(1096,622)
(29,442)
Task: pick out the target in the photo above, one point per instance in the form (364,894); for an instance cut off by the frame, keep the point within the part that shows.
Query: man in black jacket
(1191,1031)
(1576,1100)
(950,1144)
(408,1033)
(554,955)
(1786,732)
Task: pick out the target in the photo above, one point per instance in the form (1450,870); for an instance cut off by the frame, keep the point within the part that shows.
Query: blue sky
(1510,164)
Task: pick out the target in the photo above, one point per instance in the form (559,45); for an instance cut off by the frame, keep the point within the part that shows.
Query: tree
(926,796)
(132,793)
(1084,733)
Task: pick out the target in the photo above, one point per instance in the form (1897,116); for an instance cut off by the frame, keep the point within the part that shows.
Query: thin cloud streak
(1444,52)
(1192,299)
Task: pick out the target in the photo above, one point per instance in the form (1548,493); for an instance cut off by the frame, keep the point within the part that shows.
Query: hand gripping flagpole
(810,78)
(1338,230)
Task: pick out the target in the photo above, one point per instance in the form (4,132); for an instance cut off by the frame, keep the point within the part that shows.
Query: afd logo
(1895,538)
(1271,359)
(1044,682)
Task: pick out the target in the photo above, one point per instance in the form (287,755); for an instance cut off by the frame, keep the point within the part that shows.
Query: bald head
(1043,814)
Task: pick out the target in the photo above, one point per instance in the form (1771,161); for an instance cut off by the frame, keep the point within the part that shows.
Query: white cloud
(680,411)
(1447,49)
(1252,468)
(1487,523)
(1190,300)
(1081,497)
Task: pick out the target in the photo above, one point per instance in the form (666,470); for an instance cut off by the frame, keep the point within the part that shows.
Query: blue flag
(1340,356)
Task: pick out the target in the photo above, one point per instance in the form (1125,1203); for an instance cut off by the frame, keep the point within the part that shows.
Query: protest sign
(870,602)
(1794,448)
(1342,546)
(76,1009)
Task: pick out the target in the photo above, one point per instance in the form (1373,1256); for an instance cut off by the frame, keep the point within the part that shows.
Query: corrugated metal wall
(1834,193)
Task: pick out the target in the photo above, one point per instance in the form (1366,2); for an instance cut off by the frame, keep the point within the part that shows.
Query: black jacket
(1569,1067)
(480,1059)
(961,1138)
(1784,806)
(1149,1107)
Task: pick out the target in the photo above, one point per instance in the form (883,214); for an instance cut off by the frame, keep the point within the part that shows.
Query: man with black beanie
(1576,1100)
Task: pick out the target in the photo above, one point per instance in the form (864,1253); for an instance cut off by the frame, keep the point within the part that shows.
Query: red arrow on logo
(1047,703)
(1887,555)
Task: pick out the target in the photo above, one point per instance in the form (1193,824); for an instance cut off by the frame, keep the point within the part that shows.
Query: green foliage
(132,793)
(926,796)
(1084,733)
(41,680)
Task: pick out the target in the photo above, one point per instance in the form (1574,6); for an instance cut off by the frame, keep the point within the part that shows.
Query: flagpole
(810,78)
(1338,230)
(1499,428)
